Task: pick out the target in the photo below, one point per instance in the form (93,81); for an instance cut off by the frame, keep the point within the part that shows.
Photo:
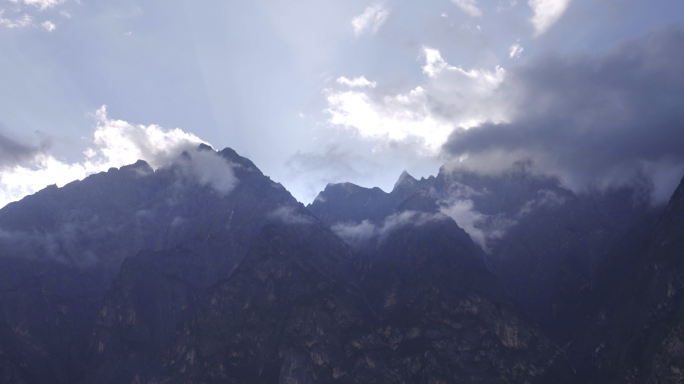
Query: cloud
(359,234)
(452,97)
(290,215)
(593,121)
(356,82)
(114,143)
(13,153)
(372,18)
(516,50)
(511,4)
(48,25)
(206,167)
(546,13)
(24,21)
(65,14)
(469,7)
(40,4)
(471,221)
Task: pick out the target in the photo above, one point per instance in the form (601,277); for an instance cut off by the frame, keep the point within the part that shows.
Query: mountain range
(207,271)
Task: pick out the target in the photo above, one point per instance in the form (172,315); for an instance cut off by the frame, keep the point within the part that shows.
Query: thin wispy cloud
(40,4)
(510,5)
(359,82)
(24,21)
(546,13)
(48,25)
(371,19)
(469,7)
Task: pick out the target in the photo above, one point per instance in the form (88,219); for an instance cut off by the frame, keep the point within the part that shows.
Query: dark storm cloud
(594,120)
(13,152)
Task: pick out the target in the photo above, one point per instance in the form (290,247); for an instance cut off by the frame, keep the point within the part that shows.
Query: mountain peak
(404,180)
(205,147)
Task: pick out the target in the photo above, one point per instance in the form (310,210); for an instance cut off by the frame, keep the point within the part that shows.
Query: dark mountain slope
(423,309)
(447,312)
(637,336)
(555,251)
(61,248)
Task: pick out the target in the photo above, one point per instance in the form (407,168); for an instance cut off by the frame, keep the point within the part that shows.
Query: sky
(314,92)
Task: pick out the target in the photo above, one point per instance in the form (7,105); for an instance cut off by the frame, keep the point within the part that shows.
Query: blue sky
(312,91)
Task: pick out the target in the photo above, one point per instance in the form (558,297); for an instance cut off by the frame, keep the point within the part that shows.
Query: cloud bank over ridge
(594,121)
(25,169)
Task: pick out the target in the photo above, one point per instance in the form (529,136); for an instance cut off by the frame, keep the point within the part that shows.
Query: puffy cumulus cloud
(114,143)
(371,19)
(593,121)
(40,4)
(469,7)
(48,25)
(356,82)
(546,13)
(24,21)
(359,234)
(117,142)
(451,97)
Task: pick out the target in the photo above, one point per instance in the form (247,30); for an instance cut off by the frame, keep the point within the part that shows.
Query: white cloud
(357,234)
(40,4)
(469,7)
(372,18)
(512,4)
(49,25)
(65,14)
(467,218)
(24,21)
(546,13)
(289,215)
(116,143)
(481,228)
(516,50)
(356,82)
(452,97)
(444,14)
